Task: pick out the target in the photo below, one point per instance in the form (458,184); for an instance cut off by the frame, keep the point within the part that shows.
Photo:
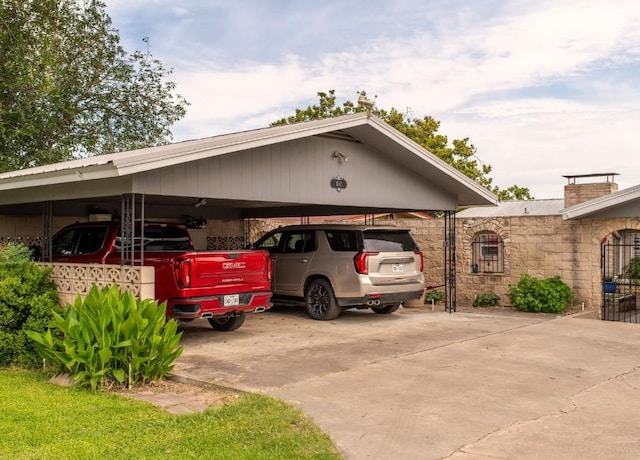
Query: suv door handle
(303,261)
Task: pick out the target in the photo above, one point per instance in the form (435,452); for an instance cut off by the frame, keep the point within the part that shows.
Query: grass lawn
(39,420)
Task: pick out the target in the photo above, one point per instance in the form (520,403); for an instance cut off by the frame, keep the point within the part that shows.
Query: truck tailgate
(241,270)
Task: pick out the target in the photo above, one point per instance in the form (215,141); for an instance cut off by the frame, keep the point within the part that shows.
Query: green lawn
(39,420)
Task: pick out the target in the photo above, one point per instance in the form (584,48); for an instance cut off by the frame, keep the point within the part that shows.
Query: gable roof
(118,170)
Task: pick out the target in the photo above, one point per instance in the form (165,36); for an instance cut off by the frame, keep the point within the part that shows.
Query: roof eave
(596,205)
(59,176)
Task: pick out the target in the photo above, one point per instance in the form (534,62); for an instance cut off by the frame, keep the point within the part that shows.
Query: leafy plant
(632,270)
(550,295)
(487,299)
(28,298)
(435,296)
(111,336)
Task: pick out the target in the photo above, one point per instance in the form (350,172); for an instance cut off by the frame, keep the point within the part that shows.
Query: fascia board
(60,176)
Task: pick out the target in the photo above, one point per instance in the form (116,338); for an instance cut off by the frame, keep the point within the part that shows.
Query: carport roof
(357,127)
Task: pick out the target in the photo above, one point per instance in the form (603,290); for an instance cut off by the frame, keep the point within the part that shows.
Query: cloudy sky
(541,88)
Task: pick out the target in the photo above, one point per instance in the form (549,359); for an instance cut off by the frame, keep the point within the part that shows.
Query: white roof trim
(602,203)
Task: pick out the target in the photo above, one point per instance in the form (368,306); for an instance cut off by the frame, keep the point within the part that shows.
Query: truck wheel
(320,301)
(386,310)
(227,323)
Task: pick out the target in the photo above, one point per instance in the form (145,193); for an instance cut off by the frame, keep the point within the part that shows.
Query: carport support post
(47,222)
(128,230)
(450,261)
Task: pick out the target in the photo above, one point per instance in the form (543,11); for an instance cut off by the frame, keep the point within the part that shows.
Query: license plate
(397,268)
(231,300)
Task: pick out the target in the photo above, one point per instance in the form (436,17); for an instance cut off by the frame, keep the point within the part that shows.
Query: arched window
(487,253)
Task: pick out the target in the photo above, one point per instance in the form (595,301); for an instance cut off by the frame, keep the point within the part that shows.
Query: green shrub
(435,296)
(111,337)
(28,298)
(487,299)
(550,295)
(14,254)
(632,270)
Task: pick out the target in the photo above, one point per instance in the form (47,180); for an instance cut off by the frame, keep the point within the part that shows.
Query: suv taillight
(360,262)
(419,254)
(182,271)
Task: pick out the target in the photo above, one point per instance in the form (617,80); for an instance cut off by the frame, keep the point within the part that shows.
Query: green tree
(424,131)
(68,89)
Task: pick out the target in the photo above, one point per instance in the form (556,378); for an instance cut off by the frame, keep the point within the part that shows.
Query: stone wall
(542,246)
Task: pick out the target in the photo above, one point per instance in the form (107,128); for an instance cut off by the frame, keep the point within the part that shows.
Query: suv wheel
(386,310)
(320,301)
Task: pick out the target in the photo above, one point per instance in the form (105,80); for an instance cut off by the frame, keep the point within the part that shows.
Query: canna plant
(111,337)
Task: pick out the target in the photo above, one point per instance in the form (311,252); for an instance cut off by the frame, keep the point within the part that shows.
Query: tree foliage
(424,131)
(68,89)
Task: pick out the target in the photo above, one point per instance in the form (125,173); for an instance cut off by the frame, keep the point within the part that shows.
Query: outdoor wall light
(201,202)
(342,158)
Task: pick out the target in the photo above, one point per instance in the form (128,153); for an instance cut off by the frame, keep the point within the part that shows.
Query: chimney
(575,193)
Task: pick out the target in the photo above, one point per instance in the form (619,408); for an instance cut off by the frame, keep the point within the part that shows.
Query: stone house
(591,233)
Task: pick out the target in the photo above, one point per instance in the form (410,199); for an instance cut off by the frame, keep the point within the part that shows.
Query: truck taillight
(360,262)
(269,269)
(419,254)
(182,270)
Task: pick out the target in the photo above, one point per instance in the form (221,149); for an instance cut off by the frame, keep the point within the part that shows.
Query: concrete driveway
(427,385)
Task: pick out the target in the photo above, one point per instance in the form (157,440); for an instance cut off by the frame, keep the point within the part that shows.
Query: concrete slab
(422,384)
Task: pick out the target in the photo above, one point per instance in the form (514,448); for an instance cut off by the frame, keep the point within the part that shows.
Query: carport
(354,164)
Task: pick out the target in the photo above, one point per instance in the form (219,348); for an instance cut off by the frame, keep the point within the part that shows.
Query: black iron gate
(620,264)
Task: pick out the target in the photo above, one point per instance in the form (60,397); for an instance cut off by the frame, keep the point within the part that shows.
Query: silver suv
(335,267)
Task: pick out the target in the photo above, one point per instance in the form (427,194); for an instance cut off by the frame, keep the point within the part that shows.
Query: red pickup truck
(221,286)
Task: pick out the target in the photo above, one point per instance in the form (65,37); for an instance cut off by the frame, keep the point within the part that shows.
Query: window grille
(487,251)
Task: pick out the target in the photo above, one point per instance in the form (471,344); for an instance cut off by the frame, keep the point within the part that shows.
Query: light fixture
(341,157)
(201,202)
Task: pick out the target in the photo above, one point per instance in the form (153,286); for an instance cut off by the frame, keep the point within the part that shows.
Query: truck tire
(227,323)
(320,301)
(386,310)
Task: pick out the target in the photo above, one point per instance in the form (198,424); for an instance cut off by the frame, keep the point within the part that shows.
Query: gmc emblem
(233,265)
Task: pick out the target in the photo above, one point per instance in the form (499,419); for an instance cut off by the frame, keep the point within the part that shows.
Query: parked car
(221,286)
(329,268)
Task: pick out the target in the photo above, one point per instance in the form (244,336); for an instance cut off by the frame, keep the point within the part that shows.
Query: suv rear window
(388,241)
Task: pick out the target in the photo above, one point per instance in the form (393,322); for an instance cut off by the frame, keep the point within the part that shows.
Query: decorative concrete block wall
(76,279)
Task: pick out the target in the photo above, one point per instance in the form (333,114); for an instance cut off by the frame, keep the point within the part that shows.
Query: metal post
(47,221)
(450,300)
